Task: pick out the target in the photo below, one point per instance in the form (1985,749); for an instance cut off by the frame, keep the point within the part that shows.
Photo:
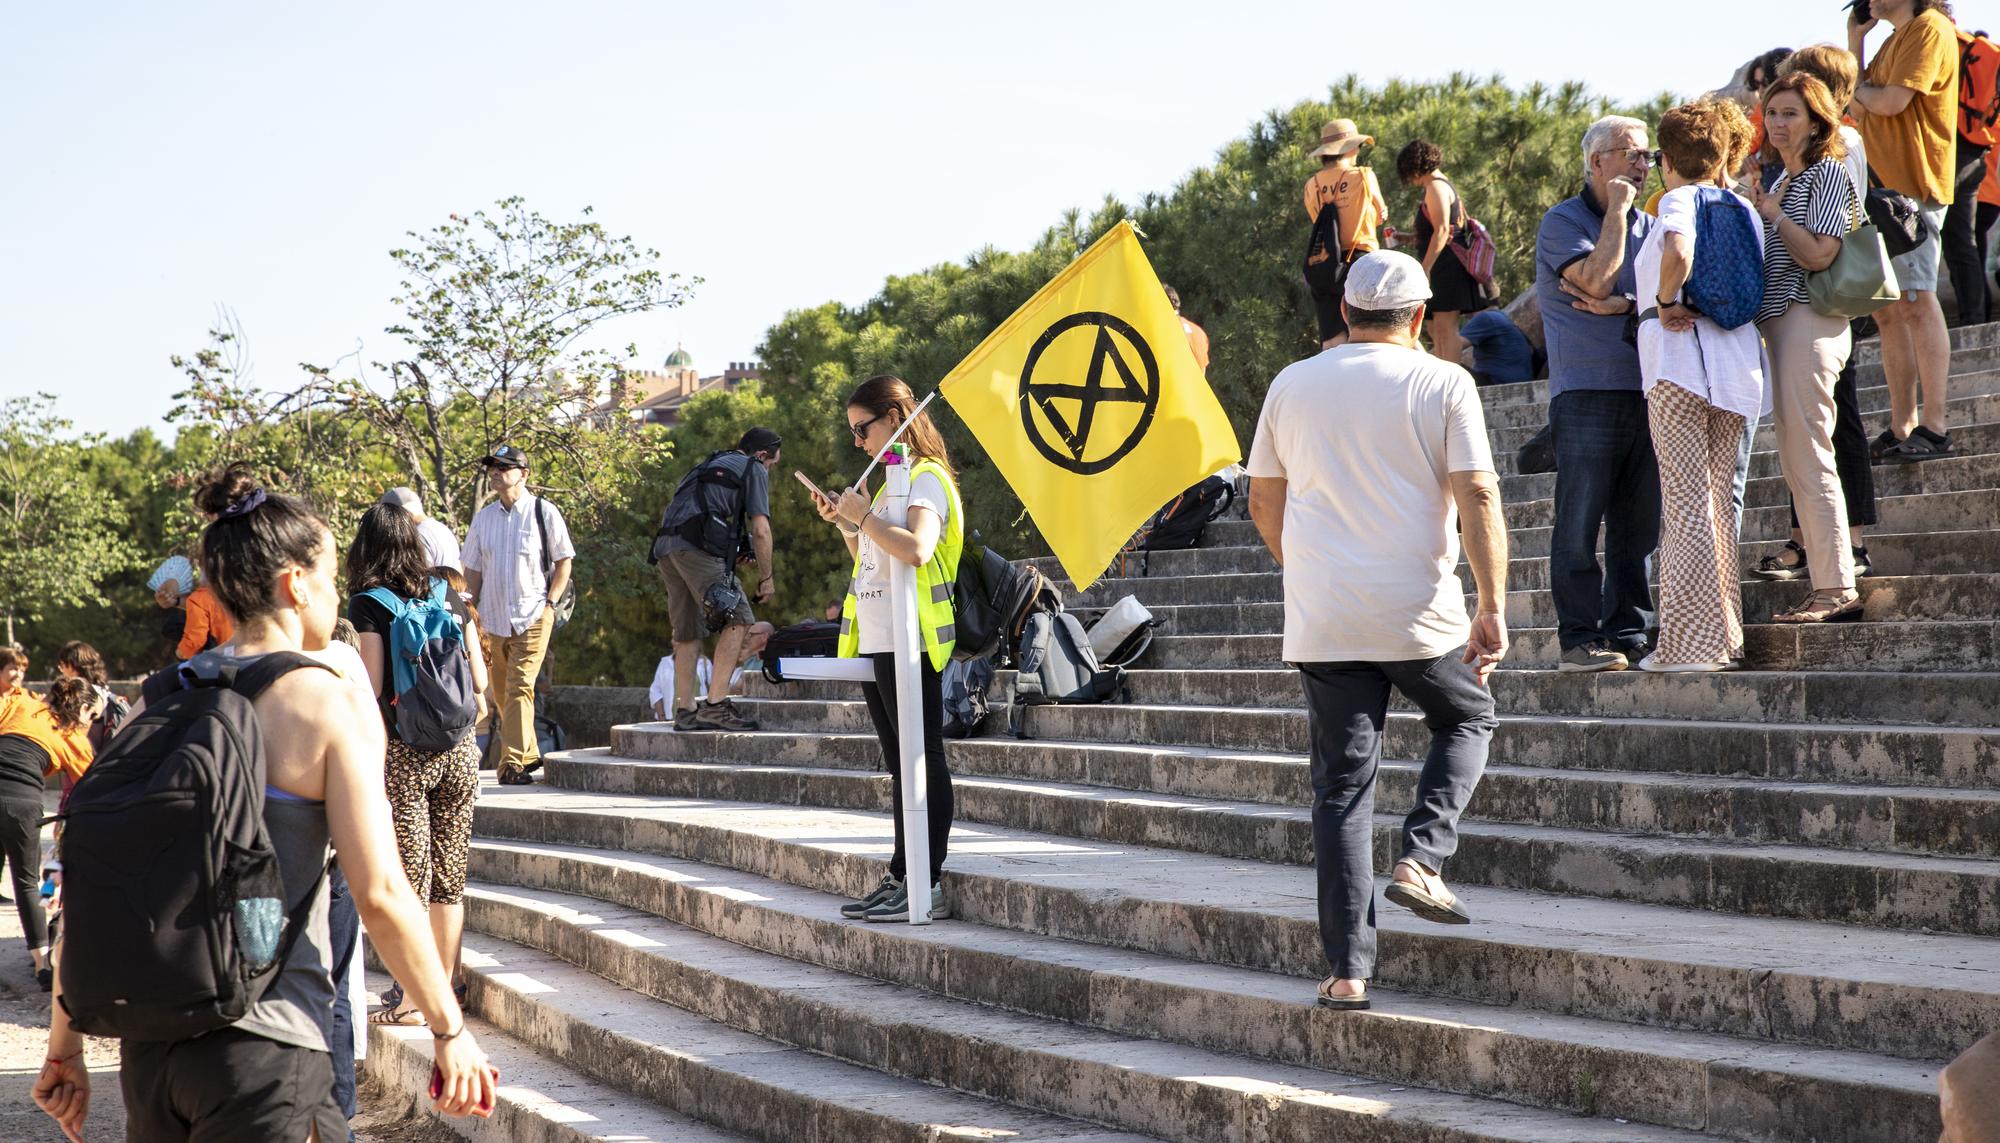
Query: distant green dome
(680,358)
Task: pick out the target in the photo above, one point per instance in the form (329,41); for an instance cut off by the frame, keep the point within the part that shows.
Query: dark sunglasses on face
(860,431)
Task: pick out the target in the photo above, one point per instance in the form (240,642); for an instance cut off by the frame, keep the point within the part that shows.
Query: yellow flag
(1090,403)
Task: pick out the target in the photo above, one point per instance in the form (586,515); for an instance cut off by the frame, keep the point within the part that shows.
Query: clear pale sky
(163,158)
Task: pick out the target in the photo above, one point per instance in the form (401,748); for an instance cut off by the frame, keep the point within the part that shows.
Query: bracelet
(443,1036)
(64,1059)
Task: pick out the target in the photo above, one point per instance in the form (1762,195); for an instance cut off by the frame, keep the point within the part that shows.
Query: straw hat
(1339,137)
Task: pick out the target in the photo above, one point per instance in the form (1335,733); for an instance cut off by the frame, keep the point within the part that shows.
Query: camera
(1861,13)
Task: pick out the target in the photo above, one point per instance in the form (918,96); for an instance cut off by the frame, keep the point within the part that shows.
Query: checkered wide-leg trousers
(1701,596)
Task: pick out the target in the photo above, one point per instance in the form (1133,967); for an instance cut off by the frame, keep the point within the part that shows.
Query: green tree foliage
(61,535)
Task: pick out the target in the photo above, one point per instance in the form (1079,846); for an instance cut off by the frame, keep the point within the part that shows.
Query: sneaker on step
(1592,657)
(719,716)
(684,719)
(740,712)
(889,887)
(897,906)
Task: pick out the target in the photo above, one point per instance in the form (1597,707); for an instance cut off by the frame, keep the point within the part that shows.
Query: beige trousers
(1808,351)
(1701,598)
(513,661)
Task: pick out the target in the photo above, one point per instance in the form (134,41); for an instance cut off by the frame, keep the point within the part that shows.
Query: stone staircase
(1751,906)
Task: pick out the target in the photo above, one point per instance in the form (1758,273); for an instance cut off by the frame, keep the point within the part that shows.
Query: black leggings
(881,695)
(21,842)
(1850,453)
(1961,246)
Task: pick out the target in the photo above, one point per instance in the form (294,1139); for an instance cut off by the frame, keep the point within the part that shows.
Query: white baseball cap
(406,499)
(1386,280)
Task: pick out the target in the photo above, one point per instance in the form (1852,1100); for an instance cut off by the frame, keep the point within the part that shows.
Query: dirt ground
(24,1030)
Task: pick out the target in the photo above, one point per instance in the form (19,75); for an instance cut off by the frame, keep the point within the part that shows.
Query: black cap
(760,440)
(504,456)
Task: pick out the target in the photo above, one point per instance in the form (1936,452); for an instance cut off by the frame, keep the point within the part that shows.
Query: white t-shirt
(440,545)
(1366,437)
(871,572)
(1724,367)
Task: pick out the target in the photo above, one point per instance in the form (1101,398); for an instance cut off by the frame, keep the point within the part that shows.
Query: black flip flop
(1419,901)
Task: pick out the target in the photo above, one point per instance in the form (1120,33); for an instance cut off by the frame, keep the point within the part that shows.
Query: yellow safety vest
(935,580)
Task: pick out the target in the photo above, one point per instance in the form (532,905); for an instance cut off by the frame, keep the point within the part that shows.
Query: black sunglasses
(860,431)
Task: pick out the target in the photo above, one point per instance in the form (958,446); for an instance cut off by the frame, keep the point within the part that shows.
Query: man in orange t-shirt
(1907,111)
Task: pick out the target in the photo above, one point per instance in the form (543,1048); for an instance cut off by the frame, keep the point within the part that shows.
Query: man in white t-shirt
(1367,459)
(440,544)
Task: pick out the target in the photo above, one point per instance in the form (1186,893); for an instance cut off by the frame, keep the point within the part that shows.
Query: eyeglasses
(860,431)
(1635,155)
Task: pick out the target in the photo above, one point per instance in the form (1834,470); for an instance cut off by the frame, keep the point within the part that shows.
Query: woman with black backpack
(930,541)
(431,789)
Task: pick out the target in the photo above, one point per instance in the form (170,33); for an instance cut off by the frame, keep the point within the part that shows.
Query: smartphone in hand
(811,487)
(485,1110)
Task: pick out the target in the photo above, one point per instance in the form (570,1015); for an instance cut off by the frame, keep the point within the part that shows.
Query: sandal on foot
(397,1017)
(1355,1003)
(1921,444)
(1427,897)
(1823,607)
(1880,446)
(1775,567)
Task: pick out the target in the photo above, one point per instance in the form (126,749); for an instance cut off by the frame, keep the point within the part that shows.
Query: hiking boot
(684,719)
(1592,657)
(740,712)
(720,716)
(890,887)
(897,906)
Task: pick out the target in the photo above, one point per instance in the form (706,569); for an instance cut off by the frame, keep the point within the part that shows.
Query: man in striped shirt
(512,540)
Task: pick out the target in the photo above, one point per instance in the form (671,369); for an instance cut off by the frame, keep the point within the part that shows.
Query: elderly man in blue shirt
(1606,475)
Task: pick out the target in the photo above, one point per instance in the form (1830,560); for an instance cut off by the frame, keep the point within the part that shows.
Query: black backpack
(705,509)
(1325,265)
(1180,524)
(965,684)
(813,639)
(991,601)
(173,903)
(1056,665)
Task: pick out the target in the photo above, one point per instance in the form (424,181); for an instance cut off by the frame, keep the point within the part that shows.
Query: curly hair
(84,662)
(1701,139)
(69,701)
(1417,159)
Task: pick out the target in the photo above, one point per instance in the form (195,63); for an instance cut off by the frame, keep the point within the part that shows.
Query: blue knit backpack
(1726,284)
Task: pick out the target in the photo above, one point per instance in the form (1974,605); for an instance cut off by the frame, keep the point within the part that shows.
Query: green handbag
(1859,282)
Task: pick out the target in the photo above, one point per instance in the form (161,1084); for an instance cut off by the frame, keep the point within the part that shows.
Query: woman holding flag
(877,412)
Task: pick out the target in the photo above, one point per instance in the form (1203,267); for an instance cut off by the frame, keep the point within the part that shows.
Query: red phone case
(437,1088)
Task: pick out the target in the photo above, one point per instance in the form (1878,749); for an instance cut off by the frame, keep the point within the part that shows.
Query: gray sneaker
(1592,657)
(897,907)
(684,719)
(890,887)
(720,716)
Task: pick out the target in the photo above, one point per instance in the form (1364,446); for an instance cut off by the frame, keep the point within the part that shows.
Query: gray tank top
(293,1008)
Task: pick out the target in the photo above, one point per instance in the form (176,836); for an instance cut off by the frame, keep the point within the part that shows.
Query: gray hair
(1382,319)
(1600,133)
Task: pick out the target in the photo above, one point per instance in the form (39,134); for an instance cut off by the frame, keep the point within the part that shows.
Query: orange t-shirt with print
(26,715)
(1913,151)
(1353,192)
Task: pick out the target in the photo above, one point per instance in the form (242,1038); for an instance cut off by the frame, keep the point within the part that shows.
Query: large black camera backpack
(991,601)
(174,913)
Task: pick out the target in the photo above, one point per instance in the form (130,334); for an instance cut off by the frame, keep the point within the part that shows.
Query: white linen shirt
(505,548)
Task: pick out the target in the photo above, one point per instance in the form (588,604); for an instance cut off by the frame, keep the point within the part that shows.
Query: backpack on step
(1180,524)
(174,913)
(1056,665)
(991,601)
(1726,284)
(435,702)
(966,683)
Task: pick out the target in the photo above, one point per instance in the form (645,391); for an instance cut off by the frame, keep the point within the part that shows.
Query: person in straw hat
(1356,198)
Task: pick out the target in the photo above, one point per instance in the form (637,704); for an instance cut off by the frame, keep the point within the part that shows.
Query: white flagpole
(908,643)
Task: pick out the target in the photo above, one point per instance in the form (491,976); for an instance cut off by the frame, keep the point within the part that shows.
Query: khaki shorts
(688,575)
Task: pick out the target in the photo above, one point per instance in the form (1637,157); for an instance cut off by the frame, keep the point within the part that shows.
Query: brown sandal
(410,1017)
(1823,607)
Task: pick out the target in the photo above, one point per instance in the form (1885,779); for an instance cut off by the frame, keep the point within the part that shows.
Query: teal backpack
(435,702)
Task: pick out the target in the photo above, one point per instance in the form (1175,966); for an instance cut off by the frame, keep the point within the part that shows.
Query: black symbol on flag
(1110,378)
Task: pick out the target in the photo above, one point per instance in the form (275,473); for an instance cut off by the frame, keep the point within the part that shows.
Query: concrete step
(540,1099)
(1166,1090)
(1915,820)
(1886,598)
(1799,881)
(1872,397)
(1947,758)
(1973,401)
(1966,439)
(755,1084)
(1535,1058)
(1925,699)
(1943,646)
(1658,967)
(1893,553)
(1530,503)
